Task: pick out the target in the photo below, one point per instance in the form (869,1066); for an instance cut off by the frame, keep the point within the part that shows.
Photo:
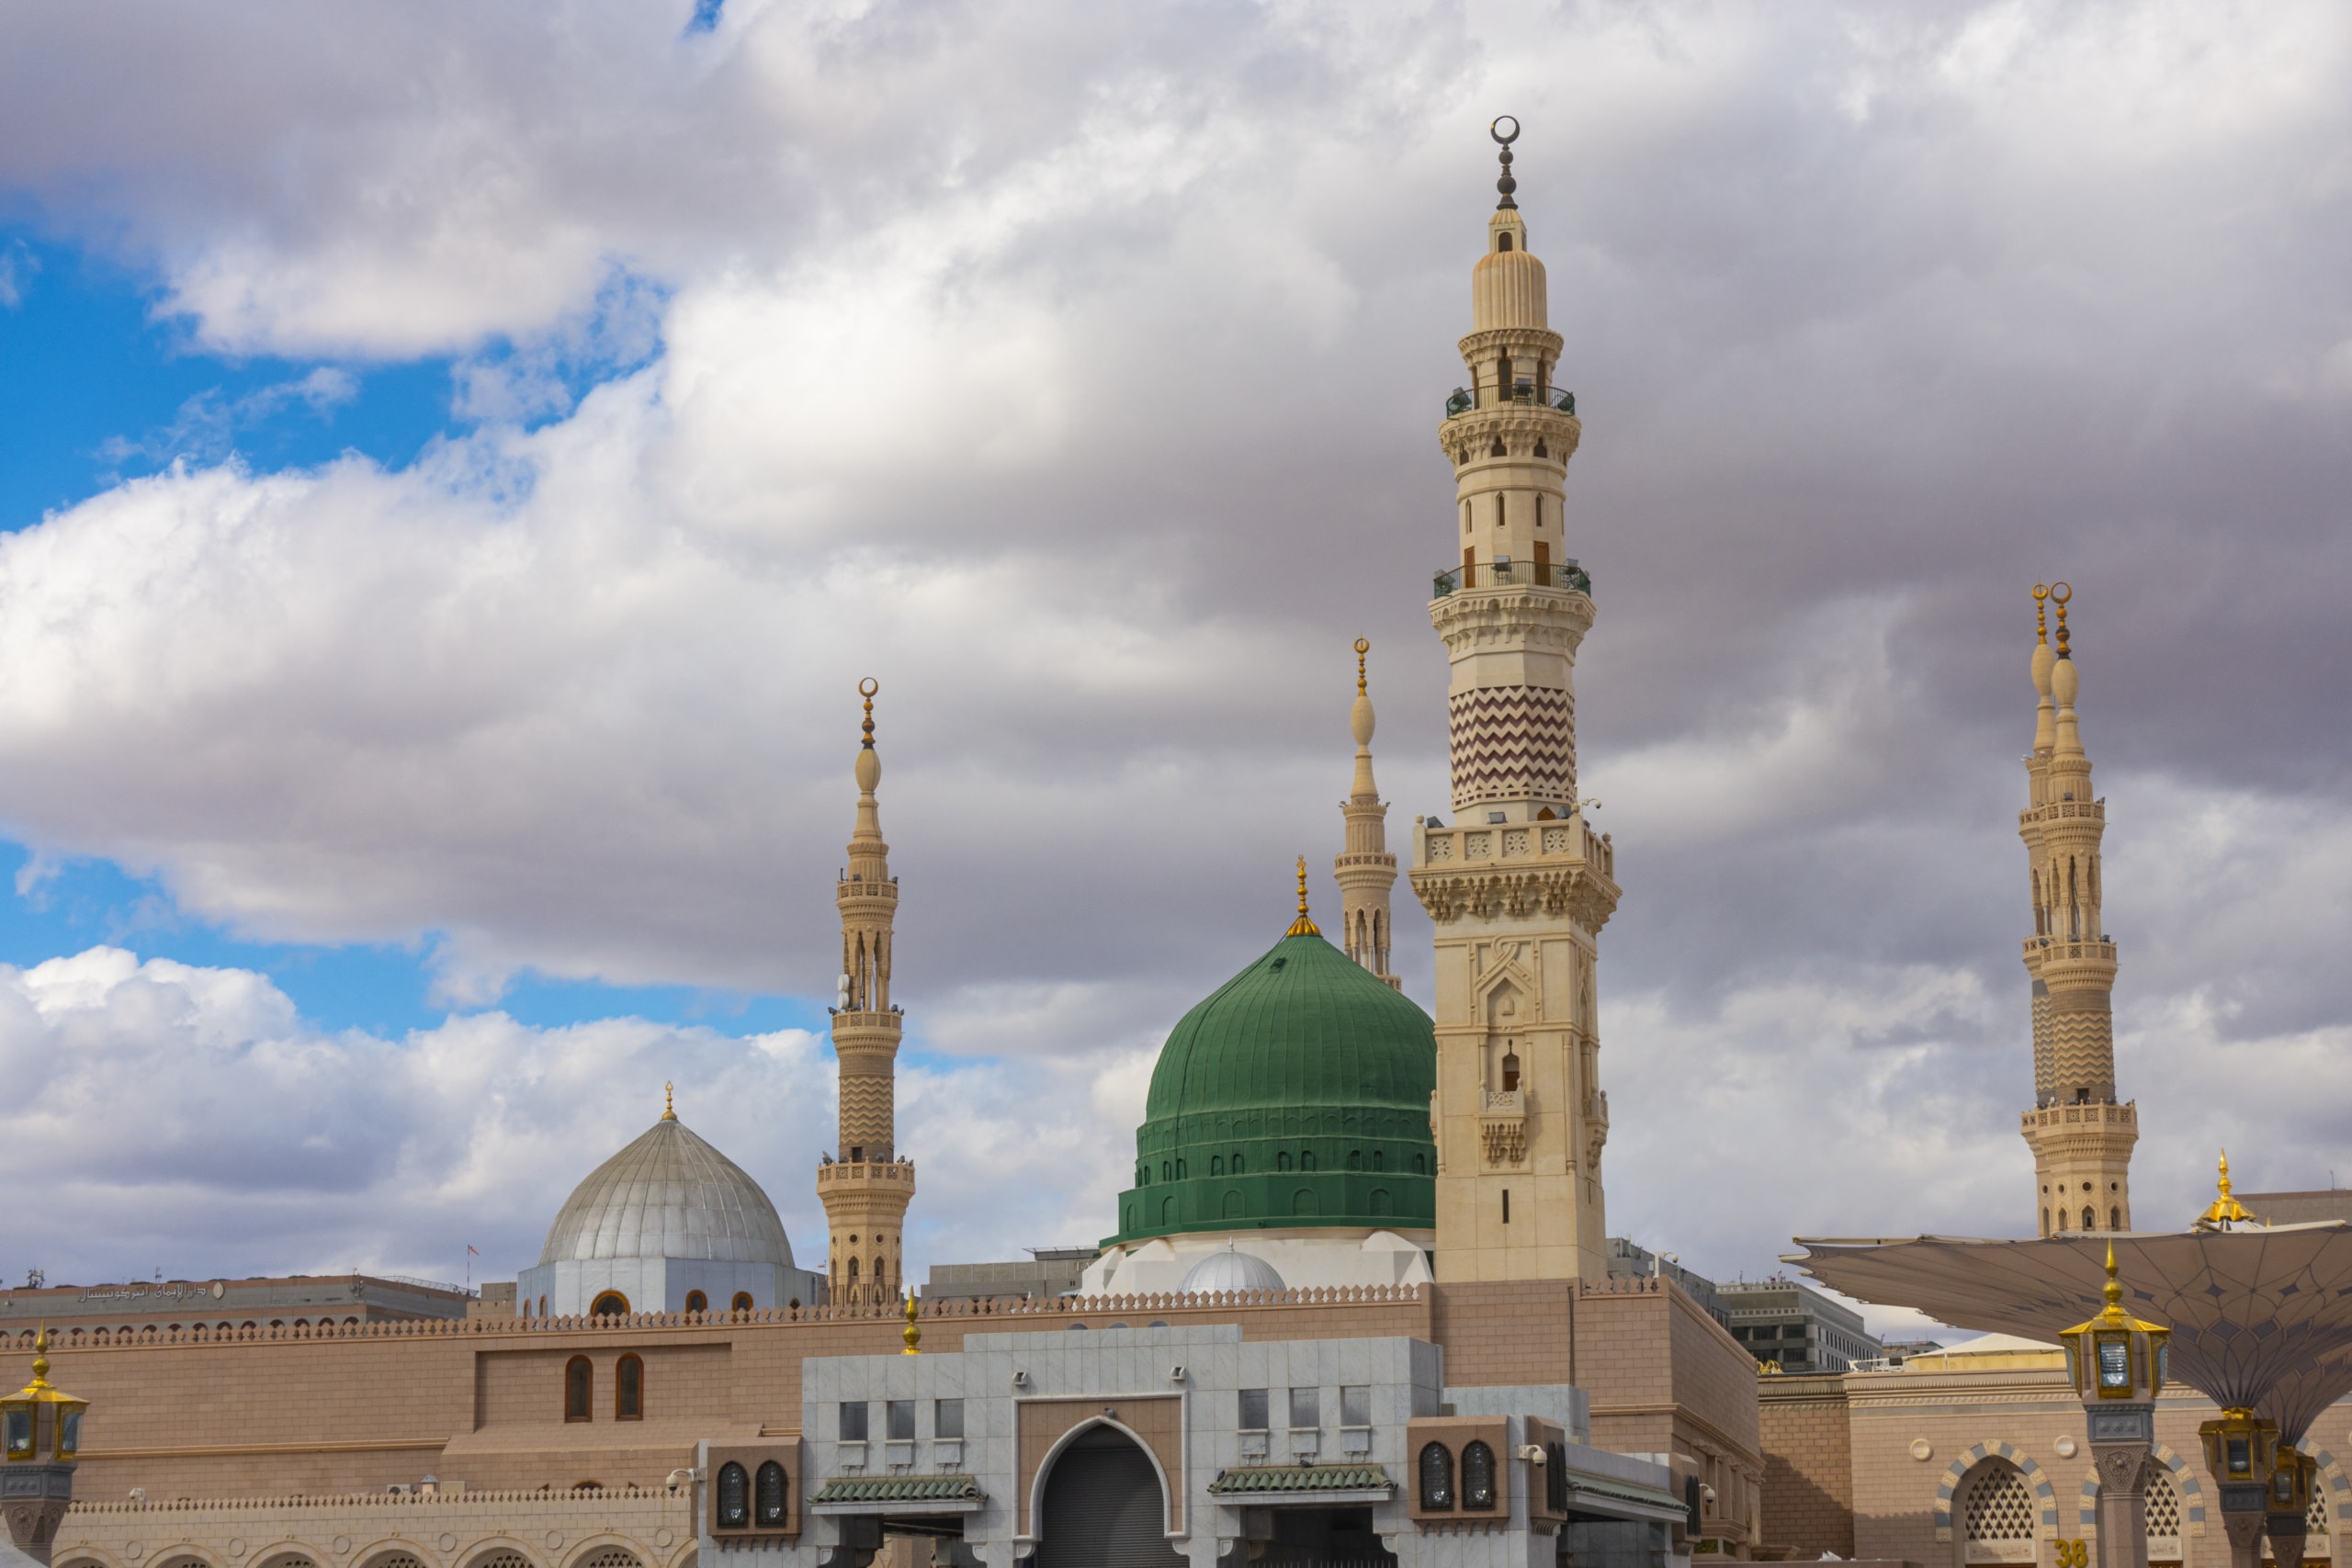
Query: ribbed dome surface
(1508,290)
(1302,1026)
(1297,1094)
(669,1194)
(1231,1270)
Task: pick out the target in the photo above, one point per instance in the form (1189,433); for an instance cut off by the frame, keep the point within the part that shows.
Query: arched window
(1306,1159)
(1163,1170)
(1237,1162)
(1179,1170)
(742,1301)
(1498,450)
(734,1505)
(1378,1161)
(609,1303)
(1502,241)
(628,1389)
(697,1301)
(774,1492)
(1437,1479)
(1418,1167)
(578,1390)
(853,1268)
(1539,505)
(1510,1072)
(2164,1514)
(1282,1160)
(2045,1221)
(1216,1164)
(1355,1159)
(1997,1516)
(2115,1219)
(2090,1218)
(1477,1477)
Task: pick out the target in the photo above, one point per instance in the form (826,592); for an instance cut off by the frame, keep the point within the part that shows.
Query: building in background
(287,1301)
(1796,1327)
(1049,1271)
(1629,1259)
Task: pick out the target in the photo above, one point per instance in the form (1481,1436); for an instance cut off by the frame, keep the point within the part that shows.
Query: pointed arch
(2045,1494)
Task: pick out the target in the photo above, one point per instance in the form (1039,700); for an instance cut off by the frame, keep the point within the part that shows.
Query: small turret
(1364,868)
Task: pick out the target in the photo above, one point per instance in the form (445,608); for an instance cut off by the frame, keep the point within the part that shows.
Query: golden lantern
(38,1423)
(2116,1356)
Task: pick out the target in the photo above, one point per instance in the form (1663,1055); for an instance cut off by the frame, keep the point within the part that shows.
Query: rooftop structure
(1795,1327)
(1046,1272)
(1628,1259)
(255,1302)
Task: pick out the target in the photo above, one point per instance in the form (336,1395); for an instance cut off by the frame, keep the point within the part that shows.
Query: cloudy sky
(459,459)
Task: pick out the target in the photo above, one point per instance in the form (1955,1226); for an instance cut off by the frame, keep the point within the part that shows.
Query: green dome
(1297,1094)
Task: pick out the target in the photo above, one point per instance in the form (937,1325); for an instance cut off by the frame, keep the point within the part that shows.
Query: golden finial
(2224,1211)
(867,688)
(669,1102)
(2113,1289)
(2058,593)
(912,1333)
(2042,612)
(1303,926)
(1364,646)
(41,1357)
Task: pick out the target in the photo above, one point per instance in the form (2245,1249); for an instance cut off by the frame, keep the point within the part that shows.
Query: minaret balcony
(1504,573)
(2094,810)
(1527,394)
(2094,1113)
(2046,949)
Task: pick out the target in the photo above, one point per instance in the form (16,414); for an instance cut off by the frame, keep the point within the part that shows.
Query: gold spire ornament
(669,1102)
(1364,646)
(2060,592)
(1303,926)
(867,688)
(2224,1211)
(912,1333)
(2042,612)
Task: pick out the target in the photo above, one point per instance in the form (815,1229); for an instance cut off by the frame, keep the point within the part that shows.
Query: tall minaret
(2081,1135)
(865,1185)
(1365,869)
(1518,887)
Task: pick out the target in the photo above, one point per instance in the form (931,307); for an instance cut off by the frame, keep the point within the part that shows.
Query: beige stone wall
(543,1529)
(1808,1499)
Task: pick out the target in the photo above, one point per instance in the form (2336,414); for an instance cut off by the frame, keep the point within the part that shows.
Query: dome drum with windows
(1296,1098)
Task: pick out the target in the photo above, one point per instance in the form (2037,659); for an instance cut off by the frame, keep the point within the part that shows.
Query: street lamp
(2117,1364)
(2241,1450)
(41,1432)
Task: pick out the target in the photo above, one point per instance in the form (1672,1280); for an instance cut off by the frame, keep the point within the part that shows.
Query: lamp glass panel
(2239,1455)
(69,1434)
(20,1433)
(2114,1362)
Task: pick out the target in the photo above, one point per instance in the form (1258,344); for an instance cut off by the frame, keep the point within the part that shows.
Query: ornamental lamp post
(41,1432)
(2117,1363)
(2242,1452)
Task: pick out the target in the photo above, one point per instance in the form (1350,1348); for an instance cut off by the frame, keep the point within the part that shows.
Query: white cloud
(185,1119)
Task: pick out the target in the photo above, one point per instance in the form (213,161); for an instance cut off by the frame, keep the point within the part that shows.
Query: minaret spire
(1518,887)
(866,1187)
(2081,1133)
(1365,869)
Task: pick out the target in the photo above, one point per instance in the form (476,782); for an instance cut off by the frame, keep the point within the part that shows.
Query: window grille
(2164,1506)
(1437,1477)
(1478,1476)
(773,1495)
(614,1557)
(734,1504)
(2000,1507)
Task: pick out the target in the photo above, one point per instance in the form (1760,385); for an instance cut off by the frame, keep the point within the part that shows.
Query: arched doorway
(1996,1513)
(1103,1507)
(2164,1517)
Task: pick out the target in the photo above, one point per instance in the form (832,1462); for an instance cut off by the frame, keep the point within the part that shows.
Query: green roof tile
(1301,1478)
(898,1489)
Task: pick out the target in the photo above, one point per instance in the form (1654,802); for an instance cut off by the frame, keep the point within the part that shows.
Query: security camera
(678,1479)
(1531,1453)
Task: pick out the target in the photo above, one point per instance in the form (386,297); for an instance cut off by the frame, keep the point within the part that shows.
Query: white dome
(669,1194)
(1230,1270)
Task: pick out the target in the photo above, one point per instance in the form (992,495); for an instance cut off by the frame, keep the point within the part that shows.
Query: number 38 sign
(2073,1554)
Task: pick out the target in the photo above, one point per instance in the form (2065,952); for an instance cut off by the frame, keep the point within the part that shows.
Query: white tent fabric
(2261,1317)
